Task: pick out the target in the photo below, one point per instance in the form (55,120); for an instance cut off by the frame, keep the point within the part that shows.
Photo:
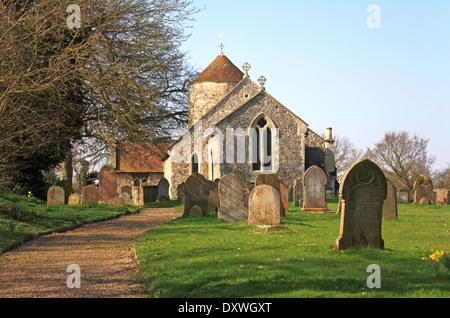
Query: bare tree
(346,154)
(402,157)
(441,178)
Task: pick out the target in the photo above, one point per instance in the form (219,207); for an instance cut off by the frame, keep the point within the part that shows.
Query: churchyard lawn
(208,258)
(22,218)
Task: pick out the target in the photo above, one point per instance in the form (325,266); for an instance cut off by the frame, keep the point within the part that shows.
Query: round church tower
(217,80)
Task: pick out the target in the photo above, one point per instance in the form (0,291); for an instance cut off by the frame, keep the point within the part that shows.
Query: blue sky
(324,63)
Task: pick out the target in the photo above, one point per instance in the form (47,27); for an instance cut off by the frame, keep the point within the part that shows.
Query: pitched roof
(142,158)
(220,70)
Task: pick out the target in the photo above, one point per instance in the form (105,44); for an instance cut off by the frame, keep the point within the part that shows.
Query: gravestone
(424,201)
(284,197)
(213,197)
(314,193)
(180,195)
(126,198)
(116,202)
(264,206)
(107,184)
(247,190)
(273,181)
(298,192)
(195,212)
(75,199)
(89,194)
(231,199)
(423,188)
(390,204)
(163,190)
(196,192)
(138,195)
(362,192)
(150,194)
(55,196)
(443,196)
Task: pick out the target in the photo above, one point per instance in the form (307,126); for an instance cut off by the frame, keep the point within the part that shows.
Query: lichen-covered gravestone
(273,181)
(362,192)
(163,190)
(231,199)
(107,184)
(264,206)
(89,194)
(314,194)
(423,188)
(196,192)
(55,196)
(75,199)
(390,204)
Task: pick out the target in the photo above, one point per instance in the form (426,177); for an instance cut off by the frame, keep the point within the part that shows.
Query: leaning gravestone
(231,199)
(75,199)
(264,206)
(163,190)
(273,181)
(196,192)
(55,196)
(298,192)
(89,194)
(108,184)
(314,194)
(390,204)
(423,188)
(362,192)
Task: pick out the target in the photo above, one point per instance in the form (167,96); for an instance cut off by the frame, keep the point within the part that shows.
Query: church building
(235,124)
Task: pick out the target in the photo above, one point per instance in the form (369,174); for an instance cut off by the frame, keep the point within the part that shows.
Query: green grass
(34,217)
(209,258)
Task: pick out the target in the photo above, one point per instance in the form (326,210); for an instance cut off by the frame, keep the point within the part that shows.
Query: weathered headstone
(213,197)
(264,206)
(126,198)
(55,196)
(150,194)
(180,195)
(138,195)
(75,199)
(116,202)
(424,201)
(196,192)
(314,195)
(195,212)
(126,189)
(284,197)
(362,192)
(107,184)
(390,204)
(423,188)
(231,199)
(89,194)
(298,192)
(163,190)
(443,195)
(273,181)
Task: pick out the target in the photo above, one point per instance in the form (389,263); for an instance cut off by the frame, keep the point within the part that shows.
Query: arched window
(262,143)
(195,164)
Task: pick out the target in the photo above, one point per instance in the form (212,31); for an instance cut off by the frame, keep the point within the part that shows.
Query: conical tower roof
(220,70)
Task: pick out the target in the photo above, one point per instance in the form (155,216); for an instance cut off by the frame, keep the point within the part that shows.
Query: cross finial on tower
(246,67)
(221,43)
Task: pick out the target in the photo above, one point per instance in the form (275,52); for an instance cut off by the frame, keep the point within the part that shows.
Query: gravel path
(103,251)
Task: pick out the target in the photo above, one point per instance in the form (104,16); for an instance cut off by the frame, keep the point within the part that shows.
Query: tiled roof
(142,158)
(220,70)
